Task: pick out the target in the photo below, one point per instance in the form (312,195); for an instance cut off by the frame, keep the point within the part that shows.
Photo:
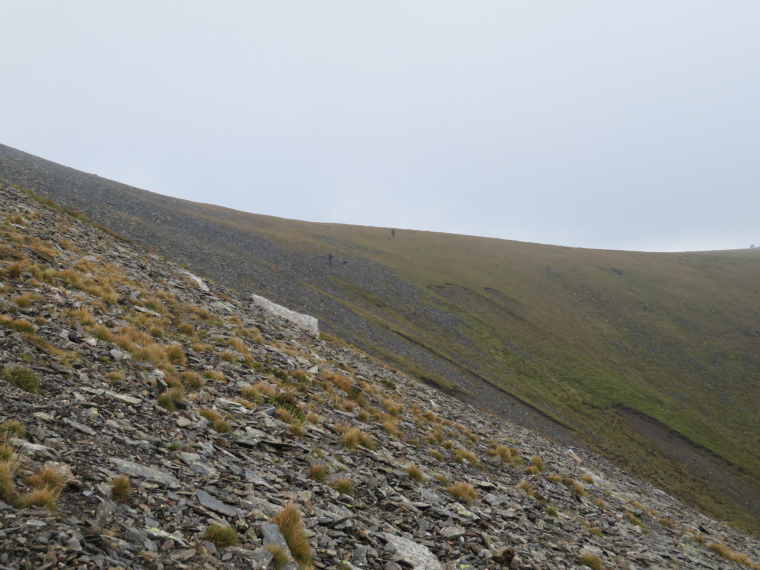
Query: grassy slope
(576,332)
(573,332)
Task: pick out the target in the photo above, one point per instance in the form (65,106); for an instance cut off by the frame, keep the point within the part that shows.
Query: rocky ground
(117,362)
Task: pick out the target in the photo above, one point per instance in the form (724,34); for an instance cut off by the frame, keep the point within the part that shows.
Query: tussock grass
(318,472)
(280,556)
(47,478)
(9,464)
(13,427)
(415,473)
(170,399)
(191,380)
(527,487)
(462,455)
(353,437)
(22,378)
(343,485)
(221,536)
(218,423)
(121,488)
(725,552)
(537,462)
(19,325)
(590,560)
(292,528)
(42,497)
(463,491)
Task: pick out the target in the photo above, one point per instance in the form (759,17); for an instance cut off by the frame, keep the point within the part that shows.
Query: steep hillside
(649,358)
(151,420)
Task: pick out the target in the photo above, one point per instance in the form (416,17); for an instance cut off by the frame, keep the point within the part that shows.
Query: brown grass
(525,486)
(462,455)
(353,437)
(121,488)
(221,536)
(318,472)
(415,473)
(291,526)
(463,491)
(343,485)
(590,560)
(728,554)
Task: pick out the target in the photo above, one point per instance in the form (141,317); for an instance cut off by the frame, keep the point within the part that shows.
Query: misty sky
(611,124)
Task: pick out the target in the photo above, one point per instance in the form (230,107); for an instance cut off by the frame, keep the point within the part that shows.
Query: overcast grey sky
(609,124)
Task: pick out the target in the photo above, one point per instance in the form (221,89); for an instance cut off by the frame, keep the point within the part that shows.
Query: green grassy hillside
(577,333)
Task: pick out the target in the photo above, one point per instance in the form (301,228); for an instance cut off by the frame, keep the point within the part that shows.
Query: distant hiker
(330,257)
(393,234)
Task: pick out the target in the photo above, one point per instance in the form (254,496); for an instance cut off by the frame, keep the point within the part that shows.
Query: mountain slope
(650,358)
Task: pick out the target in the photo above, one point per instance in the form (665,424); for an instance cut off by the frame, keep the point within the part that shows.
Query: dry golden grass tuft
(191,380)
(437,455)
(187,329)
(318,472)
(599,503)
(221,536)
(525,486)
(9,464)
(462,455)
(121,488)
(463,491)
(218,423)
(81,315)
(292,528)
(47,478)
(43,497)
(415,473)
(531,470)
(13,427)
(22,378)
(725,552)
(590,560)
(537,462)
(216,375)
(343,485)
(579,490)
(588,479)
(170,399)
(390,426)
(297,428)
(279,556)
(353,437)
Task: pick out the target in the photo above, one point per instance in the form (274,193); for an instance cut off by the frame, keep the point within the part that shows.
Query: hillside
(151,420)
(650,359)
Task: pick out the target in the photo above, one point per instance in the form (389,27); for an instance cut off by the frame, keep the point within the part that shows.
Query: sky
(619,124)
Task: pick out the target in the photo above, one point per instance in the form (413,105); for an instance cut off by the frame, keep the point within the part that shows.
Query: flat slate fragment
(216,505)
(149,473)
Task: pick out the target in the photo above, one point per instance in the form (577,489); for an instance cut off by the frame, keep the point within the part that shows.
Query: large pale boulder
(306,322)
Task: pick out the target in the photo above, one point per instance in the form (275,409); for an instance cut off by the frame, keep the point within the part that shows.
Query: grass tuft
(221,536)
(22,378)
(463,491)
(292,528)
(590,560)
(122,488)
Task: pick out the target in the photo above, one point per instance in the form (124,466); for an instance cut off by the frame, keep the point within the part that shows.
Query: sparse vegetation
(221,536)
(527,487)
(291,526)
(121,488)
(590,560)
(415,473)
(22,378)
(343,485)
(463,491)
(318,472)
(13,427)
(353,437)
